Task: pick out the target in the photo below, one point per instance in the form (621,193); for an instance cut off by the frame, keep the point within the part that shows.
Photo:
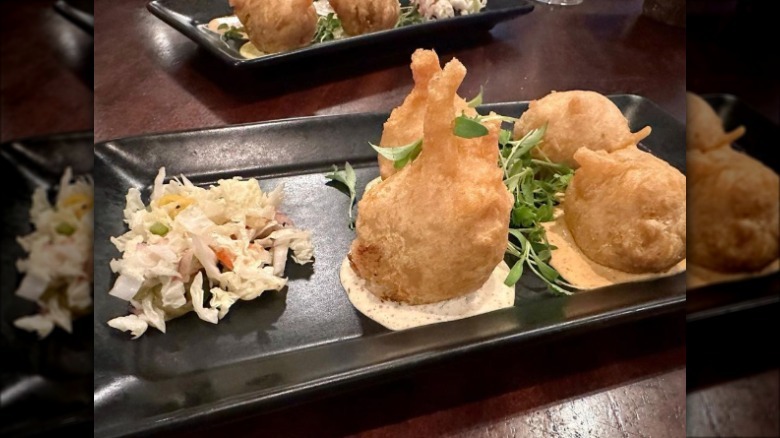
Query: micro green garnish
(347,178)
(409,15)
(401,155)
(466,127)
(159,229)
(472,127)
(234,33)
(493,117)
(535,185)
(477,100)
(328,28)
(222,26)
(65,229)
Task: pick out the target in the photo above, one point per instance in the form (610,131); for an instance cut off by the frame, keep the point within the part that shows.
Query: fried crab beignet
(577,119)
(734,211)
(366,16)
(626,210)
(438,228)
(704,130)
(405,124)
(277,25)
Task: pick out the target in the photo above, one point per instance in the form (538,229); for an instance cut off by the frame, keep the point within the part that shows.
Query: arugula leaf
(477,100)
(409,15)
(328,28)
(234,33)
(536,185)
(469,128)
(401,155)
(515,273)
(348,179)
(504,137)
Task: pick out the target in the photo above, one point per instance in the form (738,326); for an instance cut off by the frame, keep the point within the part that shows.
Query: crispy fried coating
(277,25)
(704,129)
(366,16)
(577,119)
(405,124)
(626,210)
(734,211)
(437,228)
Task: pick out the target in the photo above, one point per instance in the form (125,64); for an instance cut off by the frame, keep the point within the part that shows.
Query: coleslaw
(58,268)
(437,9)
(232,231)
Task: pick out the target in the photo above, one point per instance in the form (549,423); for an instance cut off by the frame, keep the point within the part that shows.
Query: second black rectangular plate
(759,141)
(307,339)
(189,16)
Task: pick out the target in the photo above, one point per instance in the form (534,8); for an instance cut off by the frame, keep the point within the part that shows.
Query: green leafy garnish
(159,229)
(65,229)
(469,128)
(477,100)
(536,185)
(234,33)
(328,28)
(409,15)
(401,155)
(222,26)
(347,178)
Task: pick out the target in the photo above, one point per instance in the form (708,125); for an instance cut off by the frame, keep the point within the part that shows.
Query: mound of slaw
(58,268)
(232,231)
(437,9)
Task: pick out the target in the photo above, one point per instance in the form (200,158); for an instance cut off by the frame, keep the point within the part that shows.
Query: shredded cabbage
(58,268)
(232,231)
(437,9)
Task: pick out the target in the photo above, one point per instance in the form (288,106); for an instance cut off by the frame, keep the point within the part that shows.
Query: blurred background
(733,379)
(46,81)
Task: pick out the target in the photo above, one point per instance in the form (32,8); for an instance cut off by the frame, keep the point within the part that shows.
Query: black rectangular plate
(45,384)
(760,141)
(289,346)
(79,12)
(187,16)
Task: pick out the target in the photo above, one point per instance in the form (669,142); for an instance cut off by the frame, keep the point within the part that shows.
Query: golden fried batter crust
(577,119)
(277,25)
(704,129)
(626,210)
(734,211)
(437,228)
(366,16)
(405,124)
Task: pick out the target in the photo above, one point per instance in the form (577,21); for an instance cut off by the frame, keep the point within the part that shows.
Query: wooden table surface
(47,71)
(619,382)
(150,78)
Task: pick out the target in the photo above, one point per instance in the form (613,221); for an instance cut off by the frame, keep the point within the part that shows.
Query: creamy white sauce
(493,295)
(249,51)
(699,276)
(580,271)
(230,20)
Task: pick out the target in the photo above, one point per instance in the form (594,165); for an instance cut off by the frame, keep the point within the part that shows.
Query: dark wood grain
(749,407)
(47,72)
(150,78)
(622,381)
